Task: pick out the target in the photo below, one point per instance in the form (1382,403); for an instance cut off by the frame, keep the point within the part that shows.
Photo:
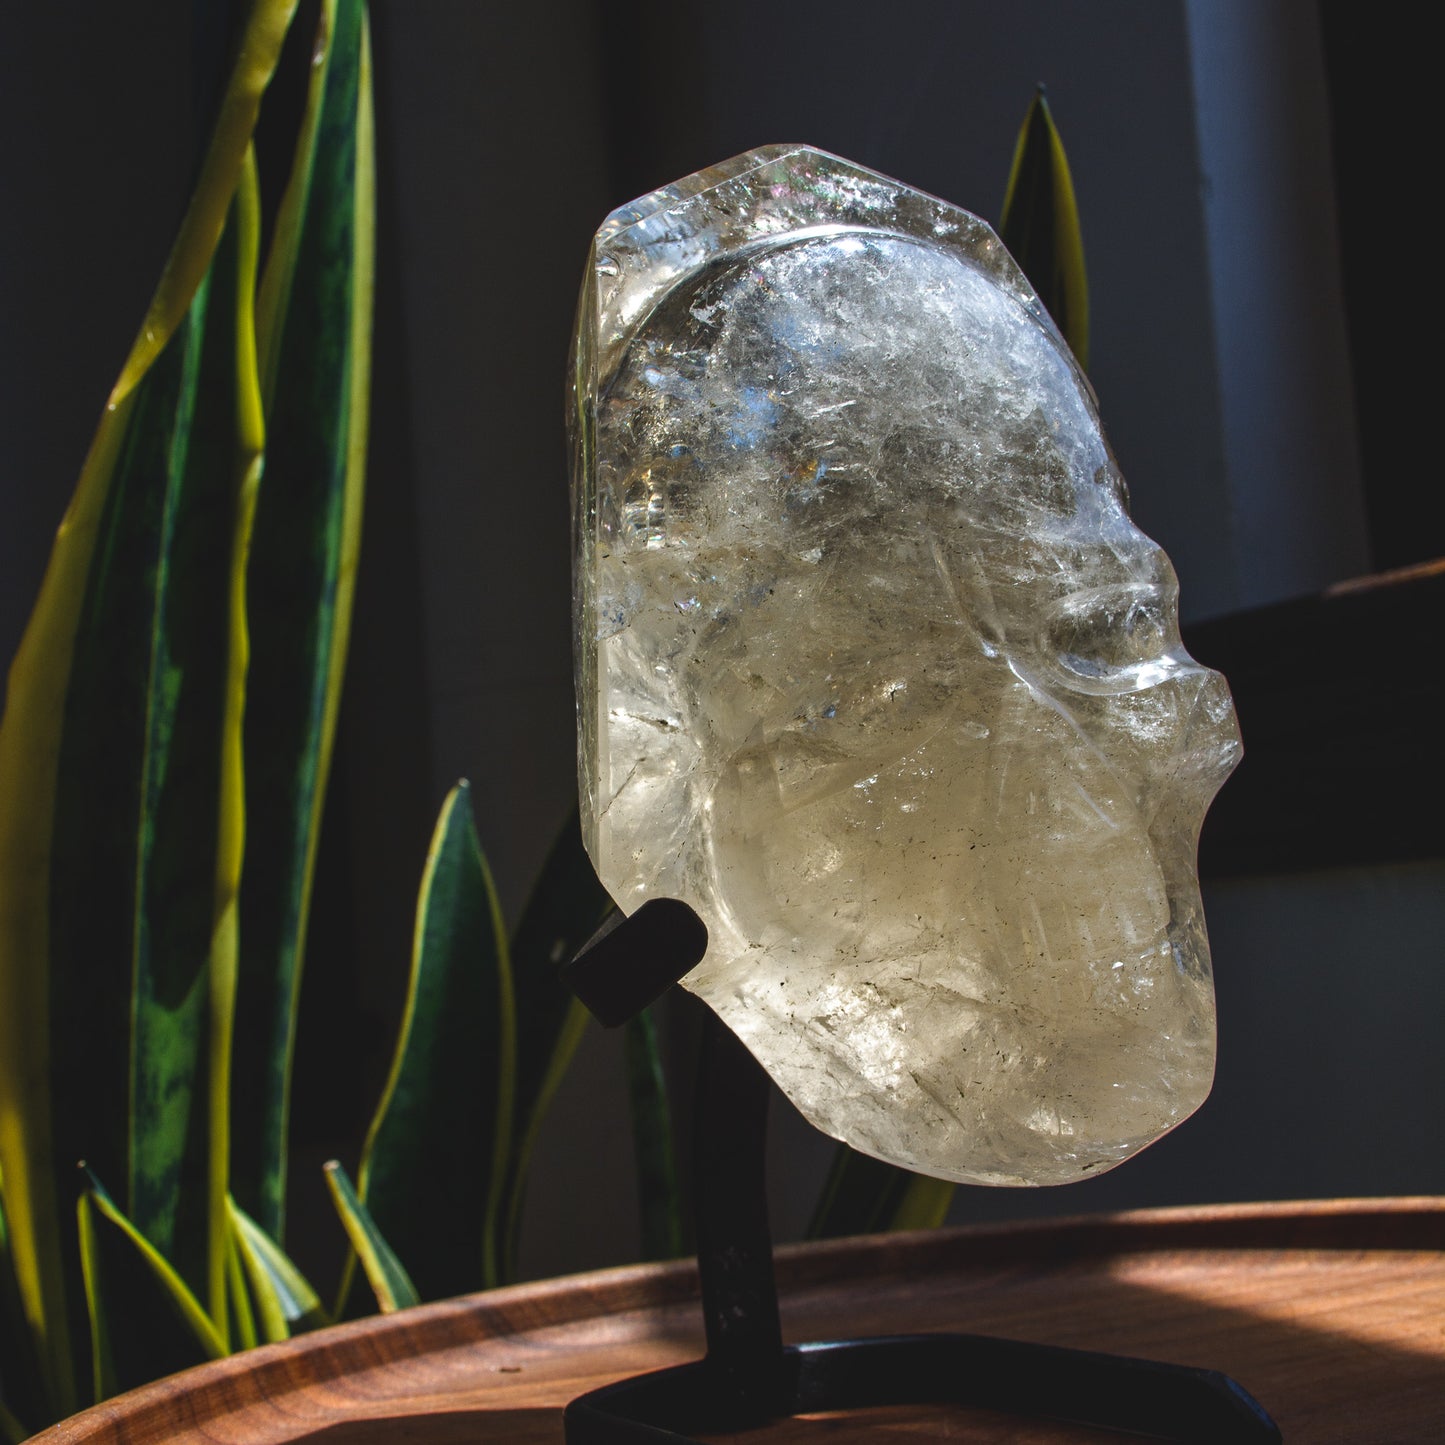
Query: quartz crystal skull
(876,673)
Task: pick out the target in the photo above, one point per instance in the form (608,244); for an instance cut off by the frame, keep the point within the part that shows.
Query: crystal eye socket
(1113,639)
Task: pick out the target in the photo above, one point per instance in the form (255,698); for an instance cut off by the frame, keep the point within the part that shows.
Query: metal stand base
(748,1376)
(1165,1402)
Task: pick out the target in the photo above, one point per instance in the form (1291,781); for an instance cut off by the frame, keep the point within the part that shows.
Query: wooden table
(1332,1314)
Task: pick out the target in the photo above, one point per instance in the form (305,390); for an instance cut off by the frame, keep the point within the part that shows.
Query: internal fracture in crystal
(876,673)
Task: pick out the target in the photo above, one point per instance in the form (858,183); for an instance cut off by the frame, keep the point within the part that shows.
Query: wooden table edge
(264,1376)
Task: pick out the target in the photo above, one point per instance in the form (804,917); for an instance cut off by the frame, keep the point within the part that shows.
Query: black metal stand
(748,1375)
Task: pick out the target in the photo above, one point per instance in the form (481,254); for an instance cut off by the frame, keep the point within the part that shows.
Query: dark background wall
(1239,352)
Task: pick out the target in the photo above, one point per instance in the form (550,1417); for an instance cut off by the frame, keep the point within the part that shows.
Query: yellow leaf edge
(385,1273)
(1069,251)
(189,1307)
(269,1269)
(205,216)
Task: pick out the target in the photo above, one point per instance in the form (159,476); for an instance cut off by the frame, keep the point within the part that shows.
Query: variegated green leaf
(145,813)
(51,842)
(285,1301)
(127,1280)
(384,1272)
(449,1096)
(315,335)
(1040,226)
(102,1365)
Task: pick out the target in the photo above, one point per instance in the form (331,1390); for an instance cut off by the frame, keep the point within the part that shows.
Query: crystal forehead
(643,250)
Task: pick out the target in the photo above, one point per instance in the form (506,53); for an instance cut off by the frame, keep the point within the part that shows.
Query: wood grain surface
(1332,1314)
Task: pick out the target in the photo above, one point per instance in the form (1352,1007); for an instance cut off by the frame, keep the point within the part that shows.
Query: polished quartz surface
(876,673)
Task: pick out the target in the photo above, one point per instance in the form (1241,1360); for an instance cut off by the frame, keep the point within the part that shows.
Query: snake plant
(164,751)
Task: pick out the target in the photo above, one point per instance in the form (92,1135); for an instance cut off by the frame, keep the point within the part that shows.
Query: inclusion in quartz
(875,672)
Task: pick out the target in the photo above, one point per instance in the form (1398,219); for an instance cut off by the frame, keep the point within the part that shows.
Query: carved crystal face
(877,674)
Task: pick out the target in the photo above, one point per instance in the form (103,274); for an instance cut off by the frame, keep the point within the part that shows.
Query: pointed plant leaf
(1040,226)
(285,1301)
(128,1280)
(449,1095)
(231,808)
(256,56)
(144,816)
(269,1318)
(33,735)
(566,907)
(384,1271)
(102,1365)
(657,1190)
(105,805)
(183,961)
(141,809)
(314,333)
